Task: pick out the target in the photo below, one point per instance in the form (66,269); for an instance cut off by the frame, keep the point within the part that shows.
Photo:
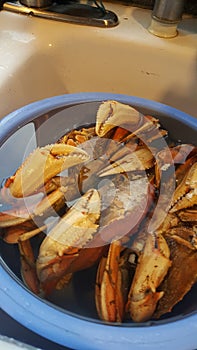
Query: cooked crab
(158,283)
(121,171)
(180,243)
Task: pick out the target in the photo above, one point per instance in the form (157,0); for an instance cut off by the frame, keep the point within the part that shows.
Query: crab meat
(28,267)
(63,243)
(112,114)
(42,165)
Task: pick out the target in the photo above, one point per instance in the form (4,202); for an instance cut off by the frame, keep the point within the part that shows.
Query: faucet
(36,3)
(93,14)
(165,17)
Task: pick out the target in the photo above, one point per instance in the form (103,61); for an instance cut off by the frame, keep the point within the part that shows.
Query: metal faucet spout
(165,17)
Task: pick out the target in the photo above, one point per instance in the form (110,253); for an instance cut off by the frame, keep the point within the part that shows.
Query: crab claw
(141,159)
(112,113)
(177,283)
(185,195)
(153,265)
(42,165)
(63,243)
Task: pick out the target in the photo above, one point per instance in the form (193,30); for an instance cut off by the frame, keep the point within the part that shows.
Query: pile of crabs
(115,195)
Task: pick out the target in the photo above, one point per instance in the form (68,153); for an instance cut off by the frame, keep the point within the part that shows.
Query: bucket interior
(78,297)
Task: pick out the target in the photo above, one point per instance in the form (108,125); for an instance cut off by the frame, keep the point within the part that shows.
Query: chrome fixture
(165,17)
(92,13)
(36,3)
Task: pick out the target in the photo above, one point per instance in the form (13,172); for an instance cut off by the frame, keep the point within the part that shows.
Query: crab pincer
(112,114)
(65,241)
(152,267)
(41,166)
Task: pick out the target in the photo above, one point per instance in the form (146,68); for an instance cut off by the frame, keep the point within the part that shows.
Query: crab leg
(109,305)
(113,281)
(168,157)
(53,202)
(140,159)
(11,234)
(12,218)
(28,268)
(188,215)
(148,131)
(77,137)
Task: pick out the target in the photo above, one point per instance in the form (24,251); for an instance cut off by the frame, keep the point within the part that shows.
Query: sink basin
(41,58)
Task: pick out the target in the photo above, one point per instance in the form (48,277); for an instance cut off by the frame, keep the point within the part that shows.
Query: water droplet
(27,305)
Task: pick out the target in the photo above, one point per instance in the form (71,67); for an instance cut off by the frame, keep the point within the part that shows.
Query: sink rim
(33,48)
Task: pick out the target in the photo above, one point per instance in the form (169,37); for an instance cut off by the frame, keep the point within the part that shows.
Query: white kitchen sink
(40,58)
